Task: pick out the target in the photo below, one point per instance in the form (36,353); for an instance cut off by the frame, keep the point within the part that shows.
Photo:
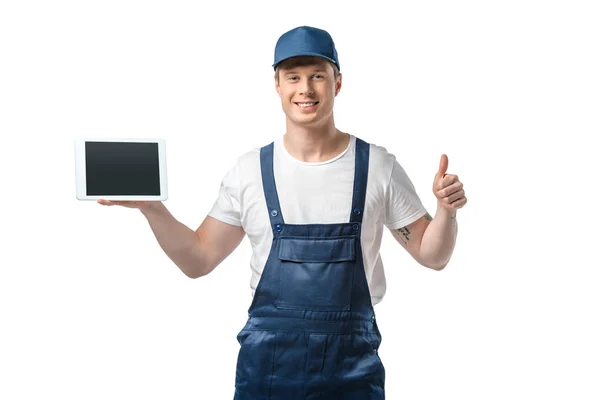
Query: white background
(90,306)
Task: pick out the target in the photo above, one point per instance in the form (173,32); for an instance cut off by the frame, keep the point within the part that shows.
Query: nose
(306,88)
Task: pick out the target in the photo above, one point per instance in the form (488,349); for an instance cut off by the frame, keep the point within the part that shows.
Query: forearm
(180,243)
(439,239)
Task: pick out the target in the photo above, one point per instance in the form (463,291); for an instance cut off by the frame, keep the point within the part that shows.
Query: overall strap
(268,180)
(361,170)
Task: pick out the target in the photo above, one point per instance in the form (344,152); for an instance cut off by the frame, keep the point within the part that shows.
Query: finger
(459,203)
(451,189)
(112,202)
(454,197)
(446,181)
(443,166)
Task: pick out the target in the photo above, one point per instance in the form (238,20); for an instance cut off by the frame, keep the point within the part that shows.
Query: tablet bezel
(80,169)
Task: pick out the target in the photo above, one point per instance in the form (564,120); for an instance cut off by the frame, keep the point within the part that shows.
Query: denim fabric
(311,331)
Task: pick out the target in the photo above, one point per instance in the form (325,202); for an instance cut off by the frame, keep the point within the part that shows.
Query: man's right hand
(129,204)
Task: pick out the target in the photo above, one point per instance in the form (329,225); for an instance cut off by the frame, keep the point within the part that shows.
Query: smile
(309,104)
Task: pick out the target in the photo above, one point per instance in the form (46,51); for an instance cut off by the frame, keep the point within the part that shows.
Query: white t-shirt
(319,193)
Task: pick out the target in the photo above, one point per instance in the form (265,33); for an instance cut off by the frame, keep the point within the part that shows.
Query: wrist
(153,208)
(445,212)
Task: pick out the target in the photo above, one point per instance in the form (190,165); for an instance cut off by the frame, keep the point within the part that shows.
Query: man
(313,203)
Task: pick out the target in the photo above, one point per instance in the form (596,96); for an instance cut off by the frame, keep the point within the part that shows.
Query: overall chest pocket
(316,273)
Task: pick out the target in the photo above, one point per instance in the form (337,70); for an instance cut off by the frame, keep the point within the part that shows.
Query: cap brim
(305,54)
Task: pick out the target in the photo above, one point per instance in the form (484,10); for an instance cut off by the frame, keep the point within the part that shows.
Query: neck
(314,144)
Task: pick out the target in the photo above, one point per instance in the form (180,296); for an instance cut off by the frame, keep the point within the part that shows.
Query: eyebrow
(293,71)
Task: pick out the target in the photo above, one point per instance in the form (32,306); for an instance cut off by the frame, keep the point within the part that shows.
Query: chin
(306,121)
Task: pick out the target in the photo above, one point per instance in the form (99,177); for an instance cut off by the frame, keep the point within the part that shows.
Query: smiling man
(313,203)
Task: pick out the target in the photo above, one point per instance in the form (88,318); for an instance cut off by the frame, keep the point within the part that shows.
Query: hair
(303,61)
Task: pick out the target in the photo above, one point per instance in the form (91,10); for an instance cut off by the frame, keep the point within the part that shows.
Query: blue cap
(305,41)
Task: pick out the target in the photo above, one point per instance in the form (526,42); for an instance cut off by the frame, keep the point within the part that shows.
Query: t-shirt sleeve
(402,204)
(226,207)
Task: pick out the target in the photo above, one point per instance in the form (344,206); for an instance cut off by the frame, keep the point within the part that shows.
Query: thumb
(443,166)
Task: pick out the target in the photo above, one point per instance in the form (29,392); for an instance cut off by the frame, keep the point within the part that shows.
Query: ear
(338,84)
(277,88)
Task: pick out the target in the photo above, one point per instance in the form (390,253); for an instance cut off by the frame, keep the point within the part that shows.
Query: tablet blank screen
(122,168)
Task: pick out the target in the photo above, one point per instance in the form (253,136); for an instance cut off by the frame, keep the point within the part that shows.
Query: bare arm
(430,241)
(196,253)
(437,243)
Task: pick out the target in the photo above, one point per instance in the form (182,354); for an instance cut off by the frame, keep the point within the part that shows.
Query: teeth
(307,104)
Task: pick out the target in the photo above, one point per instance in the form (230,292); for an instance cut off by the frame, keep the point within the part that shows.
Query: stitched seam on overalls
(273,366)
(295,306)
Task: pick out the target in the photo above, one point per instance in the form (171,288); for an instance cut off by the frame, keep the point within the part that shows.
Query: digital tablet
(121,169)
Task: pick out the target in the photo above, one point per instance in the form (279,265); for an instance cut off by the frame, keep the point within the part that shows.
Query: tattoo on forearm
(403,234)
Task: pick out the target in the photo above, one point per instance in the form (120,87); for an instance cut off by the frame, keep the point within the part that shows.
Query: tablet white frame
(80,175)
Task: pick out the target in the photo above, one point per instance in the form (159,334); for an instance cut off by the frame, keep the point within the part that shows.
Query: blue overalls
(311,332)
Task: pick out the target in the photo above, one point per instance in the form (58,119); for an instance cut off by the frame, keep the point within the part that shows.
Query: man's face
(308,91)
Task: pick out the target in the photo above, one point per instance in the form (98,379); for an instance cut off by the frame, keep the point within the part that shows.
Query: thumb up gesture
(447,188)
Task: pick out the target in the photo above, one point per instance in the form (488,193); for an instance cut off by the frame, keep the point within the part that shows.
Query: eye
(319,76)
(292,78)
